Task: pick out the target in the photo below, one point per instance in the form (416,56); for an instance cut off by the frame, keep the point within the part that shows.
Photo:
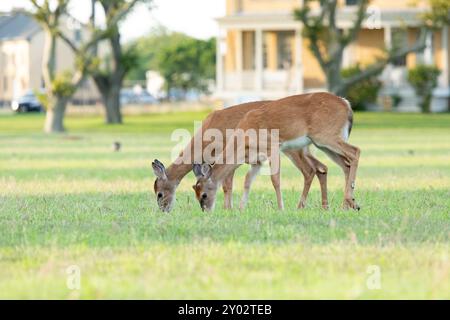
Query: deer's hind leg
(299,160)
(321,171)
(309,166)
(347,157)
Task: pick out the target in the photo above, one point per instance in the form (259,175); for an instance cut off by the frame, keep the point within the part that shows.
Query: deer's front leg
(227,187)
(249,178)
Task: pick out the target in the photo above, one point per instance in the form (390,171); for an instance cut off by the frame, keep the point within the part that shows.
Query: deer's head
(205,188)
(164,188)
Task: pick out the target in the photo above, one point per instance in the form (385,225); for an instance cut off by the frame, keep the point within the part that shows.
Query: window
(351,2)
(278,50)
(399,40)
(265,55)
(284,49)
(248,46)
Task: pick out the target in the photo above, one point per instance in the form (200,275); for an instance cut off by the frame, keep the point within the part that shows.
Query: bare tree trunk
(54,120)
(111,100)
(110,82)
(334,78)
(426,103)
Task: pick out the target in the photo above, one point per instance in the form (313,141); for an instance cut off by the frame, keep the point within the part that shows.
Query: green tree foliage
(439,14)
(363,93)
(424,79)
(187,65)
(184,62)
(147,48)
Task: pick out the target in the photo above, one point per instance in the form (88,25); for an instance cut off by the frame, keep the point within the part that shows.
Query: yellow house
(262,55)
(21,54)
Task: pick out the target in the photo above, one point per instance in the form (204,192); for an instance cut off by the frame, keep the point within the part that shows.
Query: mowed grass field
(69,200)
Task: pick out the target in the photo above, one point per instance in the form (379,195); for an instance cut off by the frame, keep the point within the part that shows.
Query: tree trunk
(54,120)
(426,103)
(334,78)
(111,100)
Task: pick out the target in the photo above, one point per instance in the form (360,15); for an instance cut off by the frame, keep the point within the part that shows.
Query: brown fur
(222,120)
(321,117)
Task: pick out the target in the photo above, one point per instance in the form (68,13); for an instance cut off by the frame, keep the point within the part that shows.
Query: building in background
(21,56)
(262,55)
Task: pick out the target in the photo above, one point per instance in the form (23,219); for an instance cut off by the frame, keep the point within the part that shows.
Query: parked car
(126,96)
(129,96)
(27,103)
(145,98)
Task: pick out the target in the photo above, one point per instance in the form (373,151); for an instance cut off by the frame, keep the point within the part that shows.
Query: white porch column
(239,59)
(445,81)
(219,63)
(386,75)
(388,37)
(299,78)
(428,53)
(259,63)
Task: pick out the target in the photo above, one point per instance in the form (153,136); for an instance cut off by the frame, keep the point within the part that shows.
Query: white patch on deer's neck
(296,144)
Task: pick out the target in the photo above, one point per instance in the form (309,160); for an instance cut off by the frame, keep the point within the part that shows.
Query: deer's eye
(160,195)
(204,196)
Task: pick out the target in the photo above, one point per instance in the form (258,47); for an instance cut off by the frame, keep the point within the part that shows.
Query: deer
(322,119)
(167,180)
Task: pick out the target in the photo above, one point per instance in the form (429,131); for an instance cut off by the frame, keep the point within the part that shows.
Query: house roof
(17,25)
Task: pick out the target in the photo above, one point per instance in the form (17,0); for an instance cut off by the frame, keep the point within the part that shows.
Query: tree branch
(354,31)
(311,28)
(332,6)
(378,67)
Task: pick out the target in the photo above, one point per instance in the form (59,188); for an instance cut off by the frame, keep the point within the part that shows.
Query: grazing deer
(322,119)
(168,179)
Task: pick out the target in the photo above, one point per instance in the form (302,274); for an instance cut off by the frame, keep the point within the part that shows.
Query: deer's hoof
(351,204)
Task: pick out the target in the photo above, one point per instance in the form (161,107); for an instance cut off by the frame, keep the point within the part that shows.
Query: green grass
(69,200)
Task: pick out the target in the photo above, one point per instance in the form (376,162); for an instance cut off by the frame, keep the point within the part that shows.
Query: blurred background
(121,76)
(115,57)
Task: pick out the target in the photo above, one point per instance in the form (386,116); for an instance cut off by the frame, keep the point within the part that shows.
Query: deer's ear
(202,170)
(206,170)
(159,169)
(197,168)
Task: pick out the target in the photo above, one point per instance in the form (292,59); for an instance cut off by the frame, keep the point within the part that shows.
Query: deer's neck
(222,171)
(183,164)
(177,171)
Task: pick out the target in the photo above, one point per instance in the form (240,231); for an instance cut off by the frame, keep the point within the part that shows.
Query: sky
(193,17)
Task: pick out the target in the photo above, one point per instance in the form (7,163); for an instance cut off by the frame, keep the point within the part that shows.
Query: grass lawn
(68,200)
